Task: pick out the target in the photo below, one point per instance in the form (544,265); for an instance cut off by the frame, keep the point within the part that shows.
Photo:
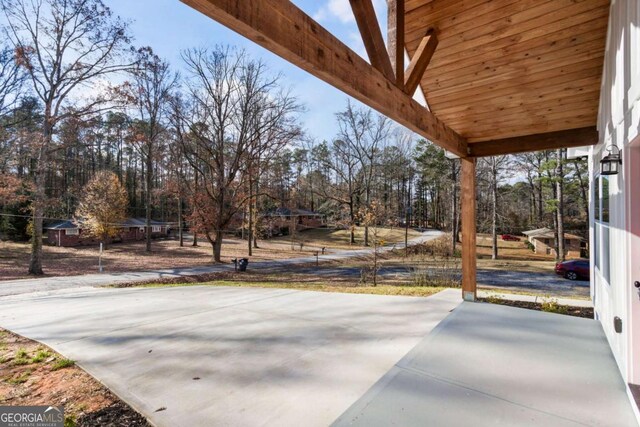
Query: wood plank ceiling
(506,68)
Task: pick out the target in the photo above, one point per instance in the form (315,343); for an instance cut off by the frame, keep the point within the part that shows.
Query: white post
(100,259)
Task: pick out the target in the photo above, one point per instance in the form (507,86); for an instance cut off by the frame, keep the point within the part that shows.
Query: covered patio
(491,365)
(499,77)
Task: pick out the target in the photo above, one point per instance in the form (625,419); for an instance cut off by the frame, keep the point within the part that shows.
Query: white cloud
(335,9)
(340,10)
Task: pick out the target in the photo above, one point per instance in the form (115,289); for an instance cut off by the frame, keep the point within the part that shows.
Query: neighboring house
(544,241)
(283,218)
(70,233)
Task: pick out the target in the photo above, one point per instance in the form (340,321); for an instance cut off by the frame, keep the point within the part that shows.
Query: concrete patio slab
(230,356)
(491,365)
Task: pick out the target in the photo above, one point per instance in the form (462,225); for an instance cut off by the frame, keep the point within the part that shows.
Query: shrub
(41,356)
(434,264)
(62,363)
(552,306)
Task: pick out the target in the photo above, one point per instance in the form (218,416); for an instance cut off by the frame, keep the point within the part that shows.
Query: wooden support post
(468,216)
(395,38)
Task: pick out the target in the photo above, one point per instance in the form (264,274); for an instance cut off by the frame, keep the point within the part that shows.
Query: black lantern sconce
(610,164)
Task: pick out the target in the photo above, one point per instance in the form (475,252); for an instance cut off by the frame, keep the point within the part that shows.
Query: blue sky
(169,27)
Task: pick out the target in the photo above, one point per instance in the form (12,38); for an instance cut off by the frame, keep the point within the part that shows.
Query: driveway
(230,356)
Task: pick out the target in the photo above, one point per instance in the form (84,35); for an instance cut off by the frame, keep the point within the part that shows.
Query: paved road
(263,356)
(514,280)
(45,285)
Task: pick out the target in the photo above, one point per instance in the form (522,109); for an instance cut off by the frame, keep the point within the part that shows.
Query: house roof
(62,225)
(292,212)
(537,231)
(141,222)
(72,223)
(547,233)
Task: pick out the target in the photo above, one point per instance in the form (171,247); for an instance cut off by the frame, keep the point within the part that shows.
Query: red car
(574,269)
(510,238)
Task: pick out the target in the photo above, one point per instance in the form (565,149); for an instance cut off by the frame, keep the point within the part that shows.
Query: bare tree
(236,112)
(496,167)
(65,47)
(365,133)
(559,172)
(11,80)
(153,84)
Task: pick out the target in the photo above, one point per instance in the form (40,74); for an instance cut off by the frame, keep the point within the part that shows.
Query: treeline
(220,144)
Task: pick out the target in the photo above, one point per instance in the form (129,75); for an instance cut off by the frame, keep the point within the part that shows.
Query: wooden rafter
(282,28)
(545,141)
(420,61)
(369,28)
(395,37)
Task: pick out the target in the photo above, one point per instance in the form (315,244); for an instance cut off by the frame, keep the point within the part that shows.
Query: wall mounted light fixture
(610,164)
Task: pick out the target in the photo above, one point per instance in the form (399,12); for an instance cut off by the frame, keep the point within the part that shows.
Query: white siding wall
(619,123)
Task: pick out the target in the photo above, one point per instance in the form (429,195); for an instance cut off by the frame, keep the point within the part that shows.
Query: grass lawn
(414,291)
(513,256)
(339,239)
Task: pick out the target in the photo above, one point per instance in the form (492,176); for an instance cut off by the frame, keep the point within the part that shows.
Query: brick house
(282,218)
(69,233)
(544,239)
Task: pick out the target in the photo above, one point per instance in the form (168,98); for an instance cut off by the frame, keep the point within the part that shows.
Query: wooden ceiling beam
(545,141)
(371,35)
(395,37)
(282,28)
(420,62)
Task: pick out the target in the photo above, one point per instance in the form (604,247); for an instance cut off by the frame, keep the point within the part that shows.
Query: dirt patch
(33,374)
(118,414)
(586,312)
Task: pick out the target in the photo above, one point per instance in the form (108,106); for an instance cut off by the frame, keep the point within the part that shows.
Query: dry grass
(124,257)
(513,256)
(339,239)
(414,291)
(14,257)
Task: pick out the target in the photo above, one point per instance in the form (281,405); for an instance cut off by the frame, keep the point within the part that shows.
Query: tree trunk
(494,210)
(217,247)
(35,262)
(366,226)
(148,184)
(180,227)
(584,190)
(250,228)
(255,209)
(352,217)
(560,254)
(454,207)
